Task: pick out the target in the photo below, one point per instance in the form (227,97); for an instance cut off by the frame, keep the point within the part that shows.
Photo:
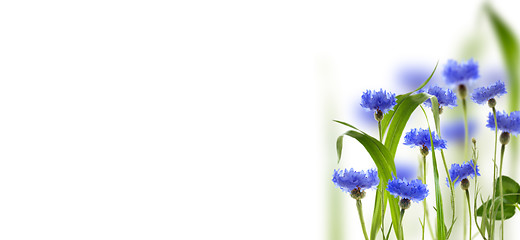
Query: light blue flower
(459,172)
(506,123)
(421,137)
(413,190)
(444,97)
(455,73)
(483,94)
(350,180)
(380,100)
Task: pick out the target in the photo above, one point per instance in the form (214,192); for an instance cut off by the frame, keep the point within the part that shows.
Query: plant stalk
(360,211)
(502,150)
(469,210)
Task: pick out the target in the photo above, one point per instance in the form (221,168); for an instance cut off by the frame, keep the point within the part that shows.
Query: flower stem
(425,205)
(466,133)
(492,232)
(401,223)
(360,211)
(502,150)
(469,210)
(380,131)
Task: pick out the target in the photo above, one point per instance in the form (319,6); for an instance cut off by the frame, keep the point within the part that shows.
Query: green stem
(466,133)
(469,210)
(360,211)
(502,150)
(401,223)
(425,205)
(492,232)
(380,131)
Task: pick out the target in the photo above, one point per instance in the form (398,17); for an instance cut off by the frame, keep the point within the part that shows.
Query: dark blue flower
(506,123)
(381,100)
(459,172)
(413,190)
(455,73)
(350,180)
(444,97)
(421,137)
(483,94)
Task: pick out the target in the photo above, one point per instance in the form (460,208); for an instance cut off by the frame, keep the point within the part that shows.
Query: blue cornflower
(421,137)
(444,97)
(378,101)
(506,123)
(484,94)
(460,172)
(354,180)
(455,73)
(413,190)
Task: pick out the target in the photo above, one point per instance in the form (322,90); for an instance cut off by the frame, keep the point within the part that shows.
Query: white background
(192,119)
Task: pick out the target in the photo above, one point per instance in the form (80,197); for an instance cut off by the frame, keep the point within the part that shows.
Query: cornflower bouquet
(391,114)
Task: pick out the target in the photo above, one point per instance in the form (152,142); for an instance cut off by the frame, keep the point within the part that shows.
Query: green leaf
(509,210)
(385,166)
(401,117)
(510,187)
(339,147)
(441,227)
(339,141)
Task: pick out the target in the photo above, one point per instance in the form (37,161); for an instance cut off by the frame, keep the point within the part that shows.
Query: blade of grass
(441,228)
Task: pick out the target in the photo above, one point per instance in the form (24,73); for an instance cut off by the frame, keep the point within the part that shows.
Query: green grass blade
(401,117)
(385,165)
(441,227)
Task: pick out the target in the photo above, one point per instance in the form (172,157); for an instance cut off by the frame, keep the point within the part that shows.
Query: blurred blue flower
(405,170)
(455,73)
(381,100)
(444,97)
(506,123)
(421,137)
(413,190)
(459,172)
(350,180)
(454,130)
(483,94)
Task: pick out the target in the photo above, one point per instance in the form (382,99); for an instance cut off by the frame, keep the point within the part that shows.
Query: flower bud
(357,194)
(464,184)
(405,203)
(505,137)
(424,151)
(378,115)
(474,141)
(492,103)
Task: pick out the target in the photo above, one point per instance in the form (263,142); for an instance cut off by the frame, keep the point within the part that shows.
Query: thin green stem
(466,133)
(469,210)
(502,150)
(516,205)
(401,223)
(425,205)
(361,219)
(492,232)
(380,131)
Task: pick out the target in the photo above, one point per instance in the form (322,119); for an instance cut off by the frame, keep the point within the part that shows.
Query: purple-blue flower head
(421,137)
(483,94)
(455,73)
(506,123)
(380,100)
(459,172)
(348,180)
(444,97)
(413,190)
